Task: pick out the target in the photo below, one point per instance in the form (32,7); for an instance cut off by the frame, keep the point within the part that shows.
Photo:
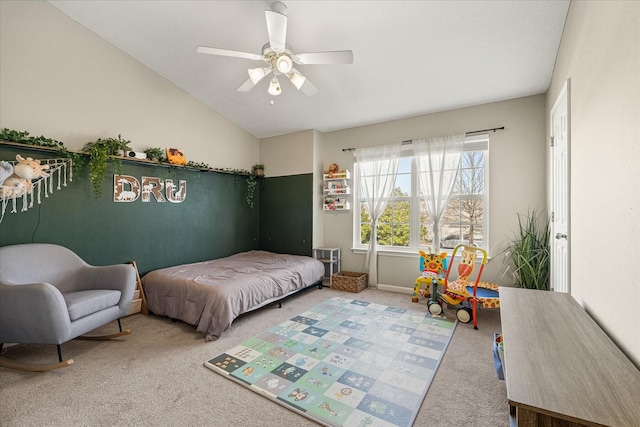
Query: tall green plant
(528,252)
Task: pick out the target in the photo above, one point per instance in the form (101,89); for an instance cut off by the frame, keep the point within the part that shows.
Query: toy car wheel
(434,308)
(464,315)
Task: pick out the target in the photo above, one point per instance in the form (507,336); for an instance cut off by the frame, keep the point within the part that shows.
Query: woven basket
(349,281)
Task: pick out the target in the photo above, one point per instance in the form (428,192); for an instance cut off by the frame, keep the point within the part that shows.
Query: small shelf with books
(336,191)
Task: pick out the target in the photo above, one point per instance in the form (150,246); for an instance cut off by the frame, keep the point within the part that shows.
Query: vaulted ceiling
(410,57)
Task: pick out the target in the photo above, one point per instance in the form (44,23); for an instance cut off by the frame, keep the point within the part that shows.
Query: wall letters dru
(127,188)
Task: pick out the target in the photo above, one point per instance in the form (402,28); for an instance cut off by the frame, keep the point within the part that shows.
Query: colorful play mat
(344,362)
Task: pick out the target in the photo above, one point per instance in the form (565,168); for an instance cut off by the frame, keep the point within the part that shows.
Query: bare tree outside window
(463,217)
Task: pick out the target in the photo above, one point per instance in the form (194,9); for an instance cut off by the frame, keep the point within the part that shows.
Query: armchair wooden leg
(122,333)
(105,336)
(35,368)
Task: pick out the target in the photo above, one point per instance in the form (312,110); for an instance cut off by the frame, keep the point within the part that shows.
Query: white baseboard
(398,289)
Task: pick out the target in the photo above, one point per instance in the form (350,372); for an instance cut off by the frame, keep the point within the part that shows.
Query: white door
(560,192)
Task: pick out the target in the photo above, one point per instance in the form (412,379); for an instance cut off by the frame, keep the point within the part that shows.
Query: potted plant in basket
(258,169)
(155,154)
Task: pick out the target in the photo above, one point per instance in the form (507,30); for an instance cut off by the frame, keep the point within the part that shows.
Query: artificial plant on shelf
(258,169)
(100,151)
(157,154)
(528,252)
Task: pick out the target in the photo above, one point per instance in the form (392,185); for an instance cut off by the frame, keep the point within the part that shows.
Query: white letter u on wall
(176,196)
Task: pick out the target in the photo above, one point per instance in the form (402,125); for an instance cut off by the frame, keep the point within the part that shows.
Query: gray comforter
(211,294)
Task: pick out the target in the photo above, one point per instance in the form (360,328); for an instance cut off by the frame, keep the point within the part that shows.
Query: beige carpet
(155,376)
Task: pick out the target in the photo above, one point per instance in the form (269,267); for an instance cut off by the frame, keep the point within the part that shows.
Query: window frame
(479,142)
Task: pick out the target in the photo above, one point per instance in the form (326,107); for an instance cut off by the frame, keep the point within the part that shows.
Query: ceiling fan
(280,58)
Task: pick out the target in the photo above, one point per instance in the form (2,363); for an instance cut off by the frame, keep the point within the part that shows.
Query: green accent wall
(286,214)
(213,221)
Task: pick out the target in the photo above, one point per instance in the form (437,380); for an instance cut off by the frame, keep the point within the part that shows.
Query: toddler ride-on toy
(433,267)
(464,293)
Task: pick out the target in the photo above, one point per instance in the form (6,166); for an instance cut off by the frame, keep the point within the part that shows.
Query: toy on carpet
(433,267)
(464,294)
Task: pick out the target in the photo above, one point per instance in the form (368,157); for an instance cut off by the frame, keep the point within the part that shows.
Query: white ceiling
(410,57)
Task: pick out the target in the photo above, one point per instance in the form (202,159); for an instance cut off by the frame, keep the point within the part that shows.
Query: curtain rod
(409,141)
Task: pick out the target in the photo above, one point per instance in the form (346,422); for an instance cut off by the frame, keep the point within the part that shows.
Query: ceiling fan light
(274,87)
(297,79)
(284,64)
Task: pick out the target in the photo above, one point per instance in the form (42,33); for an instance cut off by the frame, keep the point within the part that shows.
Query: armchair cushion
(83,303)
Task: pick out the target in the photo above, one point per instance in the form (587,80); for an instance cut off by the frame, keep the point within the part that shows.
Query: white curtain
(377,168)
(437,162)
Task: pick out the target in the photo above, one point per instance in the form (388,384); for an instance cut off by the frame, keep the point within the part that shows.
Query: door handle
(561,236)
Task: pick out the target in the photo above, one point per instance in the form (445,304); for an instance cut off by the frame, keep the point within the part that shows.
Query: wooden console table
(561,369)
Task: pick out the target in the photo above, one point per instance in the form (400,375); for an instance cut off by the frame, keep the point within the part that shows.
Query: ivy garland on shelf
(251,187)
(10,135)
(103,150)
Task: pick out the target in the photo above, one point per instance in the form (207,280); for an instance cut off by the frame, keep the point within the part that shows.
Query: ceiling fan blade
(336,57)
(225,52)
(277,29)
(309,88)
(246,86)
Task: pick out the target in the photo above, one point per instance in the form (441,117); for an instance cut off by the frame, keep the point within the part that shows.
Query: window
(405,226)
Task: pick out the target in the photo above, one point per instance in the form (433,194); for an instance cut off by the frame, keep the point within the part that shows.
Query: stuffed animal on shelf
(333,169)
(6,170)
(29,168)
(432,266)
(176,157)
(24,172)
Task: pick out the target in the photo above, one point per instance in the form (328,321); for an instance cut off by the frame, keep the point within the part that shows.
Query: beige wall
(516,175)
(60,80)
(290,154)
(600,54)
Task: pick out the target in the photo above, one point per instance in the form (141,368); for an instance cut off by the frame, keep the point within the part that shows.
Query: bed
(211,294)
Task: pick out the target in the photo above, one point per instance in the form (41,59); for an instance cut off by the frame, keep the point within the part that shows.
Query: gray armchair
(49,295)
